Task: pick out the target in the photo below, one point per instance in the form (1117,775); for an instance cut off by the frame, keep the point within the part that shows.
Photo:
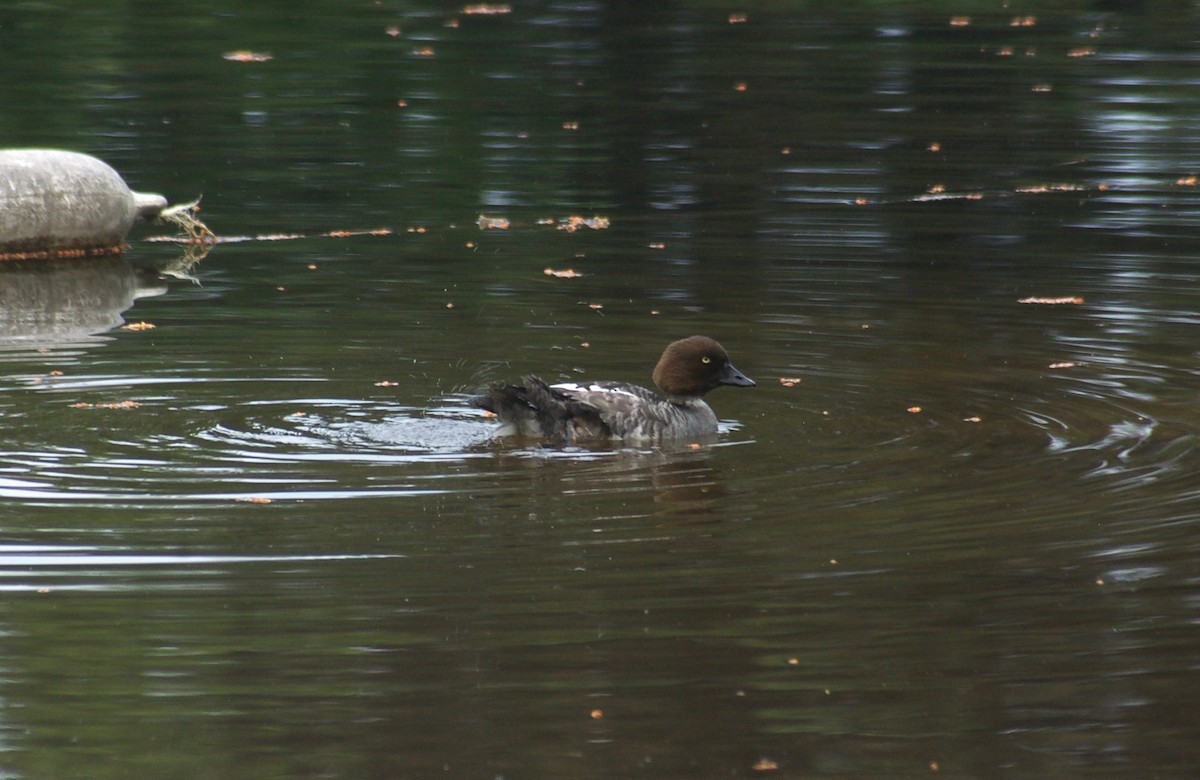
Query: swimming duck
(595,411)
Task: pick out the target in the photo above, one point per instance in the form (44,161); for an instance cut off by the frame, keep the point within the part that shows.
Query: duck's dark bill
(734,377)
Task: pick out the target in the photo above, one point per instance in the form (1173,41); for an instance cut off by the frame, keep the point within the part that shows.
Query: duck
(573,412)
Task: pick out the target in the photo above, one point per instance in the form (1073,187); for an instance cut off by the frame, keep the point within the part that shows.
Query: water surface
(268,537)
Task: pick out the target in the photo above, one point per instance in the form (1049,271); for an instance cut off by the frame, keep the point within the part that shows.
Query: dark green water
(267,538)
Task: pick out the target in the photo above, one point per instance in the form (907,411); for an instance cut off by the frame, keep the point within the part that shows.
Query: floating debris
(1071,300)
(113,405)
(492,223)
(573,223)
(246,56)
(487,9)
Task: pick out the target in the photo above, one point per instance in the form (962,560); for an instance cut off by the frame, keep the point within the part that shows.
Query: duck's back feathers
(537,410)
(594,411)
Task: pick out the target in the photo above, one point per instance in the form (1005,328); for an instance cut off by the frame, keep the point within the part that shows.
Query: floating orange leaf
(597,714)
(960,21)
(789,381)
(255,500)
(765,765)
(1072,299)
(913,410)
(573,223)
(486,9)
(570,125)
(1023,21)
(138,326)
(566,273)
(1082,51)
(1186,181)
(246,56)
(113,405)
(738,18)
(1062,364)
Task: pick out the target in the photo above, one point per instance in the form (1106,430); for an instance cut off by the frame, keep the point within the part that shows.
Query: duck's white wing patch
(575,388)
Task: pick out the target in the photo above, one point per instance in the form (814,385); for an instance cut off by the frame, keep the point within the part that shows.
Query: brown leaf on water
(913,410)
(1042,189)
(112,405)
(738,18)
(386,383)
(255,500)
(138,326)
(279,237)
(597,714)
(487,9)
(1186,181)
(1023,21)
(575,222)
(1062,364)
(1072,300)
(393,31)
(246,56)
(565,273)
(789,381)
(1082,51)
(765,765)
(960,21)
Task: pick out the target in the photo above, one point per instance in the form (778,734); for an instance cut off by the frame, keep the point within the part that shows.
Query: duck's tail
(531,409)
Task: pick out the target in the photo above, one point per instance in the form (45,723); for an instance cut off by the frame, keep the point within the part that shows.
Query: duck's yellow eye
(706,360)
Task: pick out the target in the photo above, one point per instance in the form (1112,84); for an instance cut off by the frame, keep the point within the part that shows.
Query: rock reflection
(70,300)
